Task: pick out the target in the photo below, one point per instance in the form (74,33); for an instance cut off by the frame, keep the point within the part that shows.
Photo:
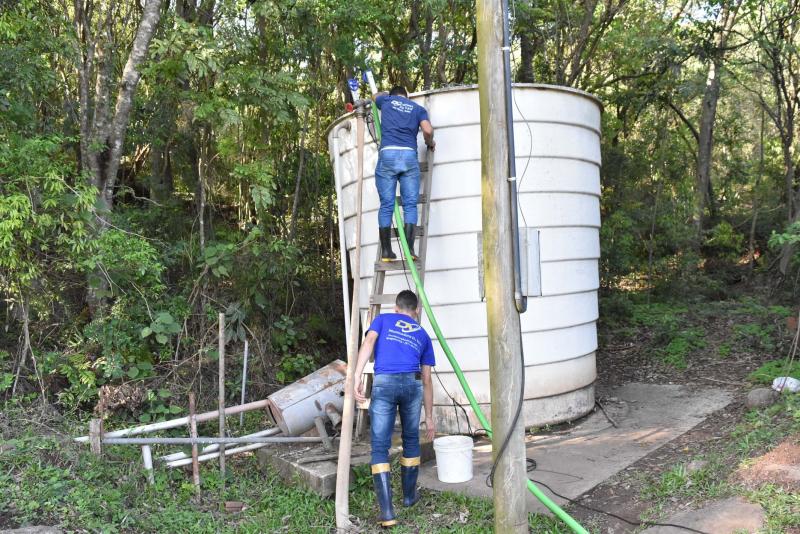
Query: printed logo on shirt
(402,107)
(407,327)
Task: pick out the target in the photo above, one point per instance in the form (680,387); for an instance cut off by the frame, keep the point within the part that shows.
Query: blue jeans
(393,166)
(390,392)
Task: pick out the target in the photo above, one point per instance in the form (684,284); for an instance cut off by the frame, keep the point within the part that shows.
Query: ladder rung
(420,232)
(423,198)
(423,166)
(396,265)
(386,298)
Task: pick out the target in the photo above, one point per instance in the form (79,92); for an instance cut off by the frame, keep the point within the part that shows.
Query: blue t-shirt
(400,118)
(402,344)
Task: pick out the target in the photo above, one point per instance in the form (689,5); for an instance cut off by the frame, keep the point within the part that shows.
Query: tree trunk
(708,115)
(296,200)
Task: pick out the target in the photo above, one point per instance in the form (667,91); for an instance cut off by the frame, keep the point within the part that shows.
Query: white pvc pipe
(181,421)
(215,455)
(342,244)
(211,448)
(147,460)
(244,378)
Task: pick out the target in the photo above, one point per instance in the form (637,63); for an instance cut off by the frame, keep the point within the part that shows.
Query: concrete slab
(574,461)
(729,516)
(319,475)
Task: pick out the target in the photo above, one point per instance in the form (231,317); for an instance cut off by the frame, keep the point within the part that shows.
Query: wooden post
(346,437)
(505,340)
(95,435)
(193,434)
(222,399)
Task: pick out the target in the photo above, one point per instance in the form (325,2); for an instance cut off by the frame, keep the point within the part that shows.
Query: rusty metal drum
(294,407)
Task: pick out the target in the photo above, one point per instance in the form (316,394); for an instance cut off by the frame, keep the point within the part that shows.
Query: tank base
(535,412)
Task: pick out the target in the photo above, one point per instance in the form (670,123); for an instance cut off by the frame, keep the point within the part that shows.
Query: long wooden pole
(221,408)
(505,340)
(346,437)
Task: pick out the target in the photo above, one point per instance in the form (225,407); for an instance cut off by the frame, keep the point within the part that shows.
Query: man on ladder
(401,120)
(403,361)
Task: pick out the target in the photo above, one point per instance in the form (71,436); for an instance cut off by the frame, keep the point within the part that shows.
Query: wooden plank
(423,199)
(396,265)
(419,233)
(386,298)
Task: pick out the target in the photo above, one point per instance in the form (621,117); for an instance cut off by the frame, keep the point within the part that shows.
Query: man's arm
(427,133)
(363,357)
(427,400)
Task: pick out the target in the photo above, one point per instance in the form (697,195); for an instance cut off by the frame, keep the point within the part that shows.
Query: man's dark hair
(407,300)
(398,90)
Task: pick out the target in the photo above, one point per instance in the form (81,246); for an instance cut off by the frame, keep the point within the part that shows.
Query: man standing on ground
(401,120)
(403,361)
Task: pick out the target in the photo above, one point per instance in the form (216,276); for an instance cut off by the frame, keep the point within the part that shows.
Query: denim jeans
(397,166)
(390,392)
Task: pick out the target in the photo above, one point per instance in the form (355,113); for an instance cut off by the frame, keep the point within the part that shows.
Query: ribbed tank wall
(557,138)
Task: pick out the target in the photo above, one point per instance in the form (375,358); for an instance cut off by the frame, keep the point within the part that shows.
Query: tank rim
(472,87)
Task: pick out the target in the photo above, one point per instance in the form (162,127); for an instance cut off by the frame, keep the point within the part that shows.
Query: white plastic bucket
(453,458)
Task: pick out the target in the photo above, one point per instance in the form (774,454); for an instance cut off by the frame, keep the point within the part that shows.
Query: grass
(48,479)
(771,370)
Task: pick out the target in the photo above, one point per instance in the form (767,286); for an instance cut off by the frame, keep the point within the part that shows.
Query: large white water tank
(557,141)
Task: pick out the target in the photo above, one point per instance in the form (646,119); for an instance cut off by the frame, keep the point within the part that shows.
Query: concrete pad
(291,462)
(729,516)
(574,461)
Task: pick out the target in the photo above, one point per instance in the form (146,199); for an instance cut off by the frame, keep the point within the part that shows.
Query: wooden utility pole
(505,340)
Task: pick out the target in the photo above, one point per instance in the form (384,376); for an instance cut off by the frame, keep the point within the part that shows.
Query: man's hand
(432,146)
(358,390)
(430,428)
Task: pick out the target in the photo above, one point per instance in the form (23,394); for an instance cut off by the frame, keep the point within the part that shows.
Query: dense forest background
(164,161)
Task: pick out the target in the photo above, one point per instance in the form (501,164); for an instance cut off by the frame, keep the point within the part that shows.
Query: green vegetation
(771,370)
(136,205)
(46,478)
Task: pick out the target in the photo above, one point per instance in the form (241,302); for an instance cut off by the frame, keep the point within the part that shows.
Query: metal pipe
(205,439)
(212,448)
(342,244)
(215,455)
(520,300)
(180,421)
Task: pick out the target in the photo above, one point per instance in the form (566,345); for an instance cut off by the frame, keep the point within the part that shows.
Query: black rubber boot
(409,471)
(385,235)
(382,479)
(409,230)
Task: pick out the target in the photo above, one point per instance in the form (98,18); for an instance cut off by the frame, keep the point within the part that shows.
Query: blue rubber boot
(409,471)
(382,479)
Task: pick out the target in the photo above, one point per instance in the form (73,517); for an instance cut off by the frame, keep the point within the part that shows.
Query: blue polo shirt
(400,118)
(402,344)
